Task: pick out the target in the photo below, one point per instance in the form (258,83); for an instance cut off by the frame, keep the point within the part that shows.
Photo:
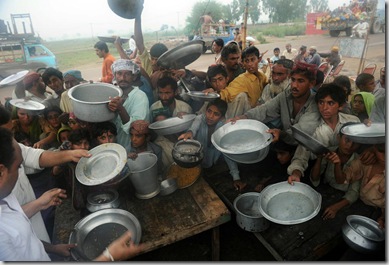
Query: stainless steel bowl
(95,232)
(173,125)
(168,186)
(363,234)
(360,133)
(90,101)
(287,204)
(246,141)
(309,142)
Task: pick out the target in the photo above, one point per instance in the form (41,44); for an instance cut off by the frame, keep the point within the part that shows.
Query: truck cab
(18,54)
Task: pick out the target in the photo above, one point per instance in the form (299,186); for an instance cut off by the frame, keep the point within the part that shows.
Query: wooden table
(311,240)
(164,219)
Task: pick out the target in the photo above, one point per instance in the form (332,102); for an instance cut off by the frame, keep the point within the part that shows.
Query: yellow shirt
(248,83)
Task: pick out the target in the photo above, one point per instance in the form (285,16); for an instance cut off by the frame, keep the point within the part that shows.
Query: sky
(57,19)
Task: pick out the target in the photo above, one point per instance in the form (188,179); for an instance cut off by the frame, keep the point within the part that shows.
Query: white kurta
(23,190)
(18,241)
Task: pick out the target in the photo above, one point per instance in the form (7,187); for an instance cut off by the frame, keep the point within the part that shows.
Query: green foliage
(319,5)
(284,11)
(282,31)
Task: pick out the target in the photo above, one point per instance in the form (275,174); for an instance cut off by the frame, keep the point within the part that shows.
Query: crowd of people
(39,150)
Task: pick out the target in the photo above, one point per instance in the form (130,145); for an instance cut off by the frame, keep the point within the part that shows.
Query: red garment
(106,72)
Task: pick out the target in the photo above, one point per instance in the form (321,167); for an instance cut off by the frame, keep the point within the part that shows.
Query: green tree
(319,5)
(285,11)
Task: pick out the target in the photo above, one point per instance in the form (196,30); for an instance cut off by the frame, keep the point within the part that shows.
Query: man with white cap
(133,104)
(313,57)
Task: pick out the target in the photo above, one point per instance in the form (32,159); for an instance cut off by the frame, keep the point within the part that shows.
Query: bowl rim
(71,91)
(365,220)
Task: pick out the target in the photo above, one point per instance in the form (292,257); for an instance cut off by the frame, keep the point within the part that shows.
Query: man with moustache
(36,89)
(295,106)
(133,104)
(168,105)
(230,57)
(279,80)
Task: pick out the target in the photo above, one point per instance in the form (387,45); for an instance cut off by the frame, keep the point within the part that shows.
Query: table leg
(216,243)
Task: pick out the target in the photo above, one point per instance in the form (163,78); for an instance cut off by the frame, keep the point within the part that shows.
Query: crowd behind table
(290,92)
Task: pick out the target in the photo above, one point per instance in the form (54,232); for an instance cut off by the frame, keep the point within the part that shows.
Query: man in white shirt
(289,52)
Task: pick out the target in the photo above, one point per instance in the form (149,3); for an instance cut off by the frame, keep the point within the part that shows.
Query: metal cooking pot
(309,142)
(100,200)
(248,216)
(126,8)
(363,234)
(144,175)
(246,141)
(188,153)
(90,101)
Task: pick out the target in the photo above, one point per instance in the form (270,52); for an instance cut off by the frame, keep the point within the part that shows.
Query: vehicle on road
(23,51)
(226,33)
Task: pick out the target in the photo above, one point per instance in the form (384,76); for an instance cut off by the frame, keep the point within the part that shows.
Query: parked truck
(338,21)
(22,51)
(226,33)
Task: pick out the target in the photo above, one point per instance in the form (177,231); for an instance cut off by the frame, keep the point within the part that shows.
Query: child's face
(82,144)
(369,86)
(73,124)
(137,140)
(250,63)
(358,105)
(219,82)
(52,118)
(284,157)
(276,53)
(106,137)
(64,136)
(346,146)
(328,108)
(212,115)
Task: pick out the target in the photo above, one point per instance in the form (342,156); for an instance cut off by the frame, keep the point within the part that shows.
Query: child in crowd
(202,128)
(63,134)
(372,179)
(366,83)
(50,126)
(361,104)
(344,82)
(335,166)
(276,55)
(103,132)
(140,142)
(329,98)
(284,154)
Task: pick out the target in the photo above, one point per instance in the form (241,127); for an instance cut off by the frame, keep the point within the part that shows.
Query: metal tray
(201,96)
(27,104)
(182,55)
(360,133)
(309,142)
(14,78)
(287,204)
(95,232)
(173,125)
(106,162)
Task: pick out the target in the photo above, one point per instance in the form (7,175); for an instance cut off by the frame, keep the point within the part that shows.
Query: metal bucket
(144,175)
(248,216)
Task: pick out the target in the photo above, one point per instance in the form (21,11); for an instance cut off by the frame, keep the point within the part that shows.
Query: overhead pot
(182,55)
(128,9)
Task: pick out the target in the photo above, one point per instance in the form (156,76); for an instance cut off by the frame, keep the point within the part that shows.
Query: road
(375,54)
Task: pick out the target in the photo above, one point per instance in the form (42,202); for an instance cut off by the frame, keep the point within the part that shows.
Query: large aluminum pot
(363,234)
(246,141)
(172,125)
(248,216)
(90,101)
(144,175)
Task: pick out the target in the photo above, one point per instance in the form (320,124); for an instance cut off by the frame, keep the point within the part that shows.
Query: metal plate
(182,55)
(360,133)
(13,79)
(112,40)
(96,231)
(106,162)
(287,204)
(309,142)
(244,136)
(173,125)
(27,104)
(201,96)
(128,9)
